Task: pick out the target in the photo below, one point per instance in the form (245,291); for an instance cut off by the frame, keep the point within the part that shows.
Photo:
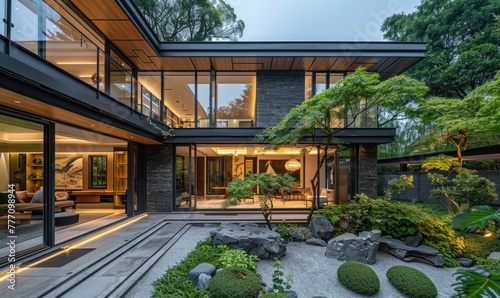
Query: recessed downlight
(17,101)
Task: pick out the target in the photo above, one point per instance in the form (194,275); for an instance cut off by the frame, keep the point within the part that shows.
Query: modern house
(85,85)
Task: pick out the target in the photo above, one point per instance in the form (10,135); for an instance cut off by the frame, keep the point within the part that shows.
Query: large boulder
(321,228)
(254,240)
(422,254)
(203,268)
(349,247)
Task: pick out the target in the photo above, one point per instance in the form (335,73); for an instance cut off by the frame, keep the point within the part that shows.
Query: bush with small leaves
(359,278)
(411,282)
(237,257)
(234,282)
(274,295)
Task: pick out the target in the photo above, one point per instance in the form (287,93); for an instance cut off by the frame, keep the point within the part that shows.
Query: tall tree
(461,122)
(239,108)
(462,42)
(191,20)
(320,118)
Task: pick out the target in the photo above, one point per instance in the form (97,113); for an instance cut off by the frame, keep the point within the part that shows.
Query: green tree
(320,118)
(191,20)
(462,40)
(239,108)
(460,122)
(268,185)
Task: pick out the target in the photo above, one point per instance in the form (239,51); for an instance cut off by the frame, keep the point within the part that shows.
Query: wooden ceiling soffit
(264,62)
(401,64)
(222,63)
(44,110)
(144,65)
(127,30)
(368,66)
(100,10)
(142,55)
(323,63)
(302,63)
(384,63)
(170,63)
(248,66)
(201,63)
(282,63)
(128,47)
(343,63)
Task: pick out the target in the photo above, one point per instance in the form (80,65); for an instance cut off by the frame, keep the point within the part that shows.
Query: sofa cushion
(38,197)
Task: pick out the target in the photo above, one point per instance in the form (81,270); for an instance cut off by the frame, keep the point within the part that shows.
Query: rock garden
(367,247)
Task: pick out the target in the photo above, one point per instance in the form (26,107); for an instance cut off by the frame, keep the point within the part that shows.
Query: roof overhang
(123,24)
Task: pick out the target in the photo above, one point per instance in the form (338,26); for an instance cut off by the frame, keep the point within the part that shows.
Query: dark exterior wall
(159,178)
(368,170)
(277,93)
(423,186)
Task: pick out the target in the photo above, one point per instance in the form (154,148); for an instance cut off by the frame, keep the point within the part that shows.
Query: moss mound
(274,295)
(234,282)
(359,278)
(411,282)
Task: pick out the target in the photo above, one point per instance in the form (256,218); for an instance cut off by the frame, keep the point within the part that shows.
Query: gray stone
(414,240)
(203,281)
(254,240)
(465,262)
(321,228)
(349,247)
(290,293)
(316,241)
(205,268)
(494,255)
(422,254)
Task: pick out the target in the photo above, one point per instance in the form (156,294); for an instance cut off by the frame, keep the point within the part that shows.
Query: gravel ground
(313,274)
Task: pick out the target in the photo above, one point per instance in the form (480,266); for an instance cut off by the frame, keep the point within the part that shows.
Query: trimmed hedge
(411,282)
(359,278)
(234,282)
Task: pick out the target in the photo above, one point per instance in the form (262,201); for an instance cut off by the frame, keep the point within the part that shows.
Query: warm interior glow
(75,245)
(487,234)
(230,150)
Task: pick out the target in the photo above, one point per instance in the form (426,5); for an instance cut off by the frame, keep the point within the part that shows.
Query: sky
(316,20)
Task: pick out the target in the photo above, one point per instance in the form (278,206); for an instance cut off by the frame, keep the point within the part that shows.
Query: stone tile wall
(160,171)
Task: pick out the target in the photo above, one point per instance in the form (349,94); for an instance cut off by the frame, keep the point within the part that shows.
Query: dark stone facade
(368,170)
(160,171)
(277,93)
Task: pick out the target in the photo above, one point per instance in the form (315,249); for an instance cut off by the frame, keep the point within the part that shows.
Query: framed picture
(98,171)
(69,172)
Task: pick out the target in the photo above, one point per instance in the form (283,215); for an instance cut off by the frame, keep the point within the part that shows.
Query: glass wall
(26,30)
(3,16)
(185,183)
(22,165)
(236,99)
(204,99)
(150,85)
(179,99)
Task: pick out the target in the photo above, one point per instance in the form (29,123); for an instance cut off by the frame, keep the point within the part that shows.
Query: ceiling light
(292,165)
(17,101)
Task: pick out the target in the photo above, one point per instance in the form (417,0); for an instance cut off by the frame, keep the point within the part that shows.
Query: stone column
(368,170)
(159,180)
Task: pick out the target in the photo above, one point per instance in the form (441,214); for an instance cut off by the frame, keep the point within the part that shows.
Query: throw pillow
(38,197)
(61,195)
(22,196)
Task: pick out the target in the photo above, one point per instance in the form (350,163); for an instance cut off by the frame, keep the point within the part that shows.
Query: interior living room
(90,181)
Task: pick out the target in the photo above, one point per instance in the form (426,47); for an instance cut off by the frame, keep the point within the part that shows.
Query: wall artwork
(275,167)
(69,173)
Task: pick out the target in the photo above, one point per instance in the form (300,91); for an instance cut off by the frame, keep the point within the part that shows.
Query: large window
(179,99)
(236,99)
(3,16)
(22,169)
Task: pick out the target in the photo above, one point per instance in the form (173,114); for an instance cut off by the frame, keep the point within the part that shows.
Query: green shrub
(411,282)
(274,295)
(477,246)
(285,230)
(174,282)
(236,257)
(439,234)
(358,277)
(234,282)
(488,263)
(394,219)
